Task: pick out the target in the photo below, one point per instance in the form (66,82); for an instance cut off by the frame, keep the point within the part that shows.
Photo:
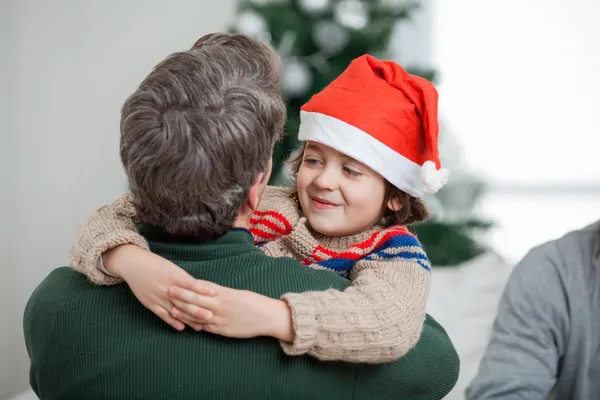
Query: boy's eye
(310,160)
(351,172)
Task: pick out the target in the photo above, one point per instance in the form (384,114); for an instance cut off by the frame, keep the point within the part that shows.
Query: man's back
(87,341)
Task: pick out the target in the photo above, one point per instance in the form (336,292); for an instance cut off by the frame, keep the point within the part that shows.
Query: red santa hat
(384,117)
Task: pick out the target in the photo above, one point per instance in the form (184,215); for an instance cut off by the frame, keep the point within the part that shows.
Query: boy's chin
(326,229)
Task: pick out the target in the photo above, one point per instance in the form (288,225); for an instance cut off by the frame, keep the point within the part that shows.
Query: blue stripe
(424,265)
(419,258)
(402,240)
(399,255)
(337,264)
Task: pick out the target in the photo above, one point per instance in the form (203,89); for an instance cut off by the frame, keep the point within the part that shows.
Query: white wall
(75,63)
(520,87)
(520,84)
(8,319)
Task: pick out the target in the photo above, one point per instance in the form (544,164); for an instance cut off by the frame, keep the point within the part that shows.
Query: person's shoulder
(429,371)
(277,198)
(59,278)
(393,244)
(56,282)
(279,191)
(276,215)
(395,236)
(559,256)
(580,241)
(47,296)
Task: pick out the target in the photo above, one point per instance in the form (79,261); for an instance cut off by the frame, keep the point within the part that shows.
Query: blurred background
(519,86)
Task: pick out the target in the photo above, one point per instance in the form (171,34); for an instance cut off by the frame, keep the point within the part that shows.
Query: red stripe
(262,234)
(351,255)
(269,224)
(316,257)
(388,233)
(278,216)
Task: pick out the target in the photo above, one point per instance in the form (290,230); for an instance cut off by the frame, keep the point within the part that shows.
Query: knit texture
(91,342)
(377,319)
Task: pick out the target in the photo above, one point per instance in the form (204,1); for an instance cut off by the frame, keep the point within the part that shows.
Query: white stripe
(354,142)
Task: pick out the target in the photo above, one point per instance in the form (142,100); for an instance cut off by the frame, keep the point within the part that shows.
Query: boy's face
(339,195)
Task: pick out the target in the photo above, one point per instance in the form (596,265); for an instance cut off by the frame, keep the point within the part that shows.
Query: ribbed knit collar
(343,242)
(235,242)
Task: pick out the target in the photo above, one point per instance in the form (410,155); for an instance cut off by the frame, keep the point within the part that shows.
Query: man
(196,143)
(546,339)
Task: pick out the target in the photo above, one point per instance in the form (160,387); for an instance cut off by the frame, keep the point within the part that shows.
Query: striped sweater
(377,319)
(395,243)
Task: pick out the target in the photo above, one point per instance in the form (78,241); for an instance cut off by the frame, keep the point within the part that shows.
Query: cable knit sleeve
(377,319)
(106,228)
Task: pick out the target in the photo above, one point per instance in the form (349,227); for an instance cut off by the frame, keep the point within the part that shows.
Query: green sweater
(94,342)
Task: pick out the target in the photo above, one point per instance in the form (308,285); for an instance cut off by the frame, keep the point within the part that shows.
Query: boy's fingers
(191,312)
(186,319)
(188,296)
(165,316)
(196,327)
(199,286)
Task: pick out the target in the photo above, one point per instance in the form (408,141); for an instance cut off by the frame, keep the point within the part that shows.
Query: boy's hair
(199,130)
(413,209)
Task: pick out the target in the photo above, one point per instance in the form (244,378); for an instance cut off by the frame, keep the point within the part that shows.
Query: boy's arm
(428,372)
(106,228)
(377,319)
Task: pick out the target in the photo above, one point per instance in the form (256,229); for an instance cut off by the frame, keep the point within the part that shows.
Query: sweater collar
(343,242)
(235,242)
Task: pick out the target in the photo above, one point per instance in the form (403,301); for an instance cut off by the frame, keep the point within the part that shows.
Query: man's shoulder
(48,297)
(55,285)
(277,206)
(574,250)
(58,279)
(429,371)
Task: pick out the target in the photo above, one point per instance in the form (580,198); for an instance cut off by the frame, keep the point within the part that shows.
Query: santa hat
(384,117)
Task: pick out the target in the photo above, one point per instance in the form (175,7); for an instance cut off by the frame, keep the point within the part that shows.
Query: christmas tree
(317,40)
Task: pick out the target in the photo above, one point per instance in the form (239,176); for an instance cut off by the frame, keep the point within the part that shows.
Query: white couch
(464,299)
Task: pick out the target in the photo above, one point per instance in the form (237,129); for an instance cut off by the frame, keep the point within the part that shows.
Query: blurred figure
(546,337)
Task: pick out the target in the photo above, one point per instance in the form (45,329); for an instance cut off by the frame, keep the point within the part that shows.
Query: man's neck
(242,221)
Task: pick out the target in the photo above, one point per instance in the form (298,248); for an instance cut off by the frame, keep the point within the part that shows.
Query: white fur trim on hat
(433,179)
(401,172)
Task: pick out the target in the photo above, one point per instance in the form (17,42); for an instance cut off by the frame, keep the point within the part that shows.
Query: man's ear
(394,204)
(255,191)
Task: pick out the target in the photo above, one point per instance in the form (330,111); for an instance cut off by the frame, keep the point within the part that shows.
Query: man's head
(197,135)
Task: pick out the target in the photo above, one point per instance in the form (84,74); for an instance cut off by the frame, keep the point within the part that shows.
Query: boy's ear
(394,204)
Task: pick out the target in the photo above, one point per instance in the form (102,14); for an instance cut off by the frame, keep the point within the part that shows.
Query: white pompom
(432,178)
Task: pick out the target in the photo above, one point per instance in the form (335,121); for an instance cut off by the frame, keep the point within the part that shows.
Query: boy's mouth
(323,204)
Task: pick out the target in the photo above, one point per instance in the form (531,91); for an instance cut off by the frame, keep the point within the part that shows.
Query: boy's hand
(235,313)
(149,277)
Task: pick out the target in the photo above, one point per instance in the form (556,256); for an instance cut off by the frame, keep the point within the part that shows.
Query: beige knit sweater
(377,319)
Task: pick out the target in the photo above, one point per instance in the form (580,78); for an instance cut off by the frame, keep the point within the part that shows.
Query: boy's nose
(326,180)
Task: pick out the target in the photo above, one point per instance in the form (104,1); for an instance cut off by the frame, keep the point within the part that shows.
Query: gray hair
(199,130)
